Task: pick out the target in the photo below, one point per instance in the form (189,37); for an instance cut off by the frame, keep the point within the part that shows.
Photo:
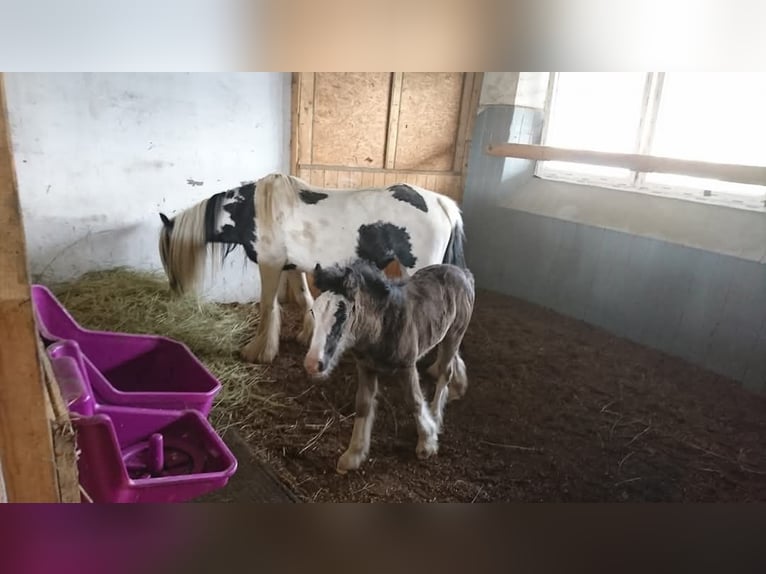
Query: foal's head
(344,294)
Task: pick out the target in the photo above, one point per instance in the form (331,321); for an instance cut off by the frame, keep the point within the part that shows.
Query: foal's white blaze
(331,333)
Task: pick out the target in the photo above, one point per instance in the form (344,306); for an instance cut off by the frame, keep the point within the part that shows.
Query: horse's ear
(165,221)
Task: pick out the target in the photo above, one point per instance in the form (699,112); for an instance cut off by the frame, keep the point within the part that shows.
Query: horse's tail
(183,247)
(454,254)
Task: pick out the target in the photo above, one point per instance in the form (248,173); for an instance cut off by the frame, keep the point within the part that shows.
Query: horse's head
(165,251)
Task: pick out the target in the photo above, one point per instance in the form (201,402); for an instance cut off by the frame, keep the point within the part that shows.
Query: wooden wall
(380,128)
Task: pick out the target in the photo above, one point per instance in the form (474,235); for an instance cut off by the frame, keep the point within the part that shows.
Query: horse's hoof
(427,449)
(349,461)
(253,355)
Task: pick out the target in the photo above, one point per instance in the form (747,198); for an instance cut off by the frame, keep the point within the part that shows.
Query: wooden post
(26,447)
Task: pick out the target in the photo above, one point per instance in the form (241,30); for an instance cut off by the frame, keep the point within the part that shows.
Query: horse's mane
(274,193)
(183,248)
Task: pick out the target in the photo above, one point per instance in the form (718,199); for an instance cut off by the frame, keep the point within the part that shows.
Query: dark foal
(388,325)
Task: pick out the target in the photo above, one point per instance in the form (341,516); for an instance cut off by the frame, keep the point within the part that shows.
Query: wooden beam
(26,447)
(295,106)
(392,137)
(751,174)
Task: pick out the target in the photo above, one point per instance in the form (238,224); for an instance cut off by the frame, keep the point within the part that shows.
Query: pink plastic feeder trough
(139,405)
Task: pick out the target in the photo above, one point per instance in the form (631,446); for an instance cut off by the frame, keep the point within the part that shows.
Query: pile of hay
(138,302)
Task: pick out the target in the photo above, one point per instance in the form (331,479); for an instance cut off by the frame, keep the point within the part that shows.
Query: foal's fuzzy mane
(356,278)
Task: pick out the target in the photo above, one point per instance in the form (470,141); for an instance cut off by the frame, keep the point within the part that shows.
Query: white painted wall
(525,89)
(99,155)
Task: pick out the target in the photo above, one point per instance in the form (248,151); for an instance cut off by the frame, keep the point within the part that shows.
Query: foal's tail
(454,254)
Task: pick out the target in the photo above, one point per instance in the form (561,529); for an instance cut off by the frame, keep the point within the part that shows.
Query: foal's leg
(451,379)
(359,447)
(428,443)
(459,382)
(265,345)
(300,287)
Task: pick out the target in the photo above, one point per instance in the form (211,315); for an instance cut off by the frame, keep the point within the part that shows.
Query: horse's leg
(300,286)
(359,447)
(443,374)
(459,382)
(265,345)
(450,375)
(282,290)
(434,370)
(428,440)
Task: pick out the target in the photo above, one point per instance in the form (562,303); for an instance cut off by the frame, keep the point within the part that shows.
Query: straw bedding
(139,302)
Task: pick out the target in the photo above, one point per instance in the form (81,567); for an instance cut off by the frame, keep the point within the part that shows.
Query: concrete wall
(685,278)
(98,155)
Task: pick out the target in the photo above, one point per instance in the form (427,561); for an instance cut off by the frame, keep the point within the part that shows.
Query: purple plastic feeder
(130,454)
(133,370)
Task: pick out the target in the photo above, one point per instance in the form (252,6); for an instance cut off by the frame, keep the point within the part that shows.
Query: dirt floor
(556,410)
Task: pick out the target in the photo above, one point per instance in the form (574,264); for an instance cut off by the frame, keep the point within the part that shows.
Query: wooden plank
(26,448)
(368,179)
(460,140)
(64,443)
(330,178)
(750,174)
(428,120)
(305,113)
(393,119)
(350,119)
(295,106)
(473,106)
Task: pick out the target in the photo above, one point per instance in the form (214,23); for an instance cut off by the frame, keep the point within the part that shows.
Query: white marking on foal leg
(301,291)
(439,400)
(428,439)
(459,382)
(265,345)
(359,447)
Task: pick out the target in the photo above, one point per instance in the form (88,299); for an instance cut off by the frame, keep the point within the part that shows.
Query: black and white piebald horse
(288,226)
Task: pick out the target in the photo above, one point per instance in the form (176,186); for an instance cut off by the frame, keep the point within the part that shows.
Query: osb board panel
(350,118)
(449,184)
(429,114)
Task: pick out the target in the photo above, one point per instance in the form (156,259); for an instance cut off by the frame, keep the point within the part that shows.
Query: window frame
(636,181)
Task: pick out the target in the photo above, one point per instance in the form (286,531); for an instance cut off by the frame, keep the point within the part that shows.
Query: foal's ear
(329,279)
(378,285)
(165,221)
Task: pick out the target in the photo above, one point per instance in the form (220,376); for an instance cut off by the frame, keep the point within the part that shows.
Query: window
(711,117)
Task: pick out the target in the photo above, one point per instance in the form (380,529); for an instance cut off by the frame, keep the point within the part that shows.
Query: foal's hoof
(427,449)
